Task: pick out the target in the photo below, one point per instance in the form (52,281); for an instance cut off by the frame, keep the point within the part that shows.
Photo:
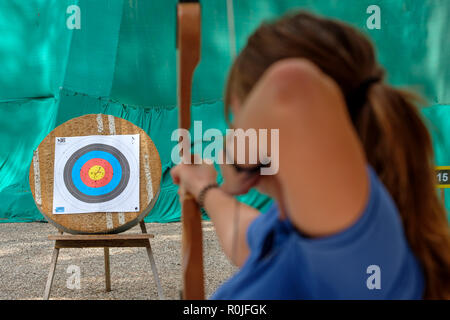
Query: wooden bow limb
(188,56)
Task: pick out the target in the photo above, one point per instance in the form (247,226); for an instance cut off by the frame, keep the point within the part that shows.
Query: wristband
(202,194)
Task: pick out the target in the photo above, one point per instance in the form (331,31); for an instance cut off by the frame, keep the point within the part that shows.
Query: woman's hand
(192,178)
(236,183)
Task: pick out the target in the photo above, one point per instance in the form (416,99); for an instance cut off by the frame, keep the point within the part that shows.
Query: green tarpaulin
(122,62)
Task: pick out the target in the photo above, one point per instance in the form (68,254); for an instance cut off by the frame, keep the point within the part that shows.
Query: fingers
(175,173)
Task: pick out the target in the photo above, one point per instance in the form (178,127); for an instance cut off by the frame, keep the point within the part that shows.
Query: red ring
(84,173)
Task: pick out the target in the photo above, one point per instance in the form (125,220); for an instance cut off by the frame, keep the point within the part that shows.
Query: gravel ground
(25,255)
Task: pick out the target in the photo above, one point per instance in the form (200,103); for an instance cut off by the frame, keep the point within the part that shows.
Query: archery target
(96,174)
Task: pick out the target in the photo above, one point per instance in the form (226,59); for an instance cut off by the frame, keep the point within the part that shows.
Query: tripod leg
(152,263)
(143,227)
(51,274)
(155,271)
(107,271)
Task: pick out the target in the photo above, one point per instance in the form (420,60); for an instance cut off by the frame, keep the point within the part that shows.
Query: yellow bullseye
(96,172)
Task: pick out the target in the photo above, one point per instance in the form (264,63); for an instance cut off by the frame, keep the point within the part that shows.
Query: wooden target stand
(99,229)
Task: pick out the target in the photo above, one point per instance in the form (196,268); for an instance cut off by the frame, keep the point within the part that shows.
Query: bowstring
(235,231)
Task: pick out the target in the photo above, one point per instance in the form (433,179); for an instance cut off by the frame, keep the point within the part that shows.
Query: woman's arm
(231,220)
(322,166)
(322,180)
(220,206)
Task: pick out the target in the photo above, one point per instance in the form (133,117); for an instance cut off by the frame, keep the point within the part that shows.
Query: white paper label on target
(96,174)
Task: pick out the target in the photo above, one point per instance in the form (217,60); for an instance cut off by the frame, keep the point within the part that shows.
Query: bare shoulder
(295,79)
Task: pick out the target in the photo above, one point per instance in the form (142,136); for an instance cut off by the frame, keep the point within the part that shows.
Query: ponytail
(398,146)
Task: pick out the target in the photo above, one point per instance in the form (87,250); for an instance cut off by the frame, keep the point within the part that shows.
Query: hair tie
(365,85)
(357,98)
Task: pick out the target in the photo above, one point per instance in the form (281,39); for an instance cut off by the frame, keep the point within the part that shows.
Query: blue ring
(79,184)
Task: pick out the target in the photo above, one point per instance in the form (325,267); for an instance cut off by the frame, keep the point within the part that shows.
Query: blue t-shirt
(369,260)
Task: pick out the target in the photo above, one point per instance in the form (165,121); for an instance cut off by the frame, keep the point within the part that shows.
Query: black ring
(104,197)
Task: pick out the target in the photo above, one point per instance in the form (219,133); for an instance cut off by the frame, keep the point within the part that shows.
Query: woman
(356,214)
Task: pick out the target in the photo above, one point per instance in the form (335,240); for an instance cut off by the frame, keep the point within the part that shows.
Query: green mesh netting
(122,62)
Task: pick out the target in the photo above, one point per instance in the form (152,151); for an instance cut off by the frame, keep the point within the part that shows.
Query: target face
(96,174)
